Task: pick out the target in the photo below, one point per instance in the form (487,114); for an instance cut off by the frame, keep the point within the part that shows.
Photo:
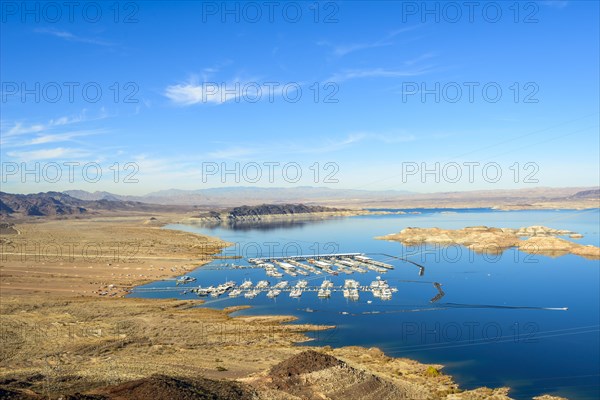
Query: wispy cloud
(215,91)
(327,145)
(345,49)
(48,154)
(72,37)
(348,74)
(20,128)
(194,93)
(60,137)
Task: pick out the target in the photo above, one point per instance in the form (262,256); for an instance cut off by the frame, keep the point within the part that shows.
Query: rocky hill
(271,213)
(278,209)
(587,194)
(57,204)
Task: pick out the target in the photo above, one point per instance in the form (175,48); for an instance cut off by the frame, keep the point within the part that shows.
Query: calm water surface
(492,326)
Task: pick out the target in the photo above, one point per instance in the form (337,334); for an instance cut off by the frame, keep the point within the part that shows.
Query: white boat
(204,291)
(251,294)
(235,293)
(262,284)
(185,279)
(273,293)
(274,273)
(246,285)
(323,293)
(379,283)
(386,294)
(302,284)
(326,284)
(354,295)
(228,285)
(281,285)
(350,283)
(296,292)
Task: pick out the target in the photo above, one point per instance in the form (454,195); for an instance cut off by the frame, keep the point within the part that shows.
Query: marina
(334,264)
(351,289)
(427,287)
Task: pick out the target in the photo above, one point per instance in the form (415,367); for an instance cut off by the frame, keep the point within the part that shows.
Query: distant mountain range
(243,195)
(80,202)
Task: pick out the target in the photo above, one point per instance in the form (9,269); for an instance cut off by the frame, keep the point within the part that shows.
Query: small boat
(324,293)
(262,284)
(235,293)
(246,285)
(326,284)
(281,285)
(251,294)
(302,284)
(386,294)
(296,292)
(350,284)
(204,291)
(273,293)
(185,279)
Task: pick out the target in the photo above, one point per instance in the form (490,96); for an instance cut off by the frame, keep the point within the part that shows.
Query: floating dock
(346,263)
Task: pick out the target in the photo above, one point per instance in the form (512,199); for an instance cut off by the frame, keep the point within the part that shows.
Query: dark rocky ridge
(278,209)
(57,204)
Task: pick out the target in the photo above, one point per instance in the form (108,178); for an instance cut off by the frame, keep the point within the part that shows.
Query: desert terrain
(101,255)
(68,333)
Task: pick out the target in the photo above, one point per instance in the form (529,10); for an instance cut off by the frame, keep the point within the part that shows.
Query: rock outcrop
(482,239)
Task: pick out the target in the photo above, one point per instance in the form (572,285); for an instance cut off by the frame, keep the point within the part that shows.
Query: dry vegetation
(102,255)
(58,337)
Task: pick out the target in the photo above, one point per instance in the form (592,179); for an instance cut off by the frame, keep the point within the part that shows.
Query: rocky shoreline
(483,239)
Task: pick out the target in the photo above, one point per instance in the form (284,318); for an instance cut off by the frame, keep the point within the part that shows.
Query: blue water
(487,329)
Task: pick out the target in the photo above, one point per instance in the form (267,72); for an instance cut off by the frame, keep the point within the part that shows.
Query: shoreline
(282,334)
(535,240)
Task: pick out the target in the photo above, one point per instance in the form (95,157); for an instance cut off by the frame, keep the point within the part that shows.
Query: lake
(499,322)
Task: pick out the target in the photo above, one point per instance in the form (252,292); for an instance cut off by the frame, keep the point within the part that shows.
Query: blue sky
(163,68)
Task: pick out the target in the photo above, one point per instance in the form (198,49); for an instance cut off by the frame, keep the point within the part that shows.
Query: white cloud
(218,92)
(376,73)
(345,49)
(19,128)
(47,154)
(60,137)
(190,94)
(71,37)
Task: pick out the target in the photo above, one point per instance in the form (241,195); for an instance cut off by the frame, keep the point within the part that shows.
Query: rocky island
(272,212)
(484,239)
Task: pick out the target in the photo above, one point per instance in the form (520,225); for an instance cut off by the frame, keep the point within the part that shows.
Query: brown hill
(57,204)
